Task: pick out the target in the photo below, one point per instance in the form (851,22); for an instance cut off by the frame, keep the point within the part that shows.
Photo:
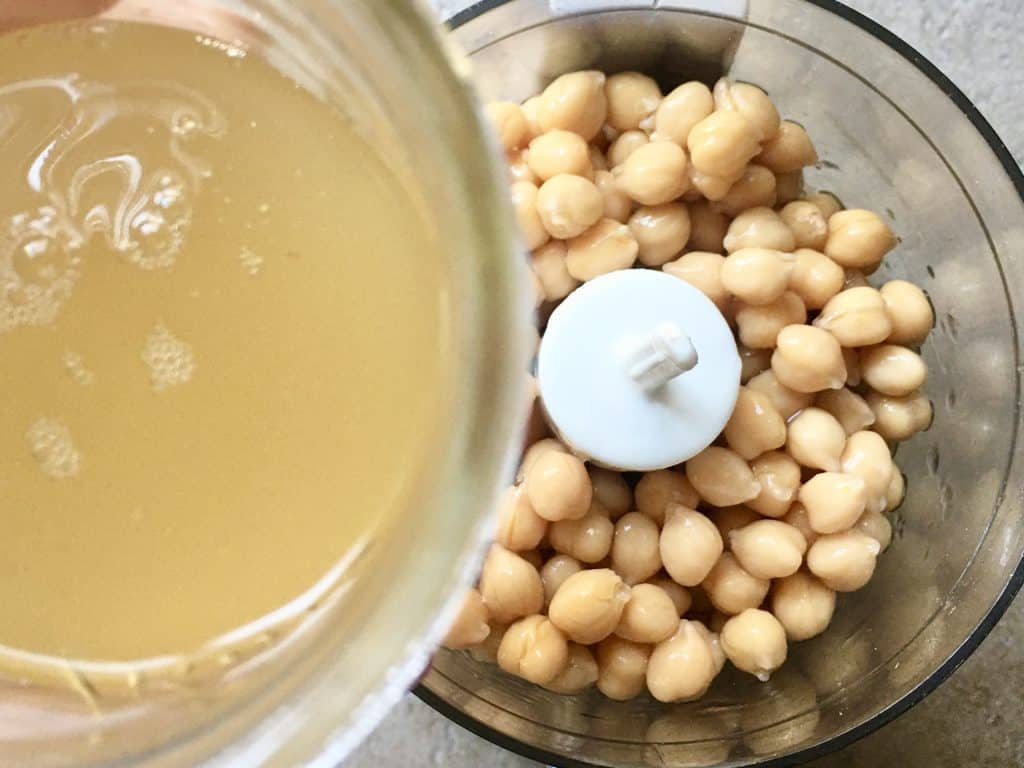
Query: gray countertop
(974,718)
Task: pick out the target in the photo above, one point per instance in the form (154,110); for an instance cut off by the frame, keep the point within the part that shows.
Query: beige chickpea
(579,674)
(531,113)
(757,275)
(519,527)
(574,102)
(510,586)
(851,359)
(713,188)
(816,439)
(679,594)
(900,418)
(721,477)
(470,626)
(658,490)
(809,227)
(702,270)
(768,549)
(632,98)
(754,189)
(606,247)
(849,408)
(661,231)
(588,605)
(779,477)
(649,616)
(622,667)
(844,561)
(803,605)
(558,487)
(755,425)
(827,203)
(858,239)
(892,370)
(548,264)
(588,539)
(753,362)
(625,145)
(690,545)
(611,491)
(896,491)
(750,102)
(759,326)
(722,143)
(534,649)
(790,149)
(796,516)
(654,173)
(910,312)
(877,526)
(759,228)
(524,207)
(711,636)
(731,588)
(487,650)
(682,109)
(555,571)
(867,455)
(535,451)
(635,552)
(509,124)
(558,152)
(707,228)
(786,401)
(682,667)
(569,205)
(518,167)
(617,204)
(755,642)
(834,501)
(808,359)
(728,519)
(789,187)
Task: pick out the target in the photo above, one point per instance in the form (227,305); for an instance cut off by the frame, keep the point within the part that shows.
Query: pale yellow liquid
(222,346)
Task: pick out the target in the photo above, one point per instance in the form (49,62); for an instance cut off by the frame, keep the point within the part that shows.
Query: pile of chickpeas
(653,582)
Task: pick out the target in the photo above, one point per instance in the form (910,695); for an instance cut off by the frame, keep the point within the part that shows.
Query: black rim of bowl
(971,643)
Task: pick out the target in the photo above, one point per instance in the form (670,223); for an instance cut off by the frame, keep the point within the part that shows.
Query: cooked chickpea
(509,124)
(661,489)
(558,152)
(910,312)
(834,501)
(827,203)
(707,228)
(858,239)
(711,636)
(569,205)
(728,519)
(588,539)
(558,486)
(531,113)
(900,418)
(753,362)
(470,626)
(755,425)
(622,668)
(797,517)
(721,477)
(611,491)
(574,102)
(554,573)
(844,561)
(757,275)
(768,549)
(682,109)
(535,451)
(755,642)
(690,546)
(519,527)
(617,204)
(808,359)
(524,207)
(803,605)
(702,270)
(682,667)
(867,456)
(625,145)
(809,227)
(534,649)
(786,401)
(759,326)
(779,477)
(754,189)
(816,439)
(892,370)
(731,588)
(588,605)
(849,408)
(510,586)
(790,149)
(519,167)
(877,526)
(606,247)
(632,98)
(788,187)
(661,231)
(679,594)
(750,102)
(636,554)
(649,616)
(759,228)
(722,143)
(654,173)
(713,188)
(548,264)
(896,491)
(579,674)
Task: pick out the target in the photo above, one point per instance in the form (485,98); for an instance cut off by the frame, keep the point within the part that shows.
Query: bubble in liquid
(77,370)
(251,261)
(170,360)
(51,445)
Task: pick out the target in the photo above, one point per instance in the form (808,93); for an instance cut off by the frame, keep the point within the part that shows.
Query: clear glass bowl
(894,136)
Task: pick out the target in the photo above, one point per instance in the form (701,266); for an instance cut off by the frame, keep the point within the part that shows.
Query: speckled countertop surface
(974,719)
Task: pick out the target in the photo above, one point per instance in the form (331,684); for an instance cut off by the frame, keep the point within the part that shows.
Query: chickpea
(900,418)
(711,636)
(636,554)
(790,149)
(759,228)
(682,667)
(588,605)
(569,205)
(617,204)
(728,519)
(754,189)
(622,668)
(509,124)
(661,489)
(548,263)
(753,362)
(750,102)
(679,594)
(809,227)
(707,227)
(816,439)
(558,152)
(827,203)
(848,408)
(723,143)
(755,642)
(892,370)
(574,102)
(858,239)
(519,527)
(531,113)
(714,188)
(757,275)
(661,232)
(470,626)
(510,586)
(755,426)
(519,167)
(690,546)
(524,207)
(649,616)
(877,526)
(487,650)
(534,649)
(731,588)
(851,359)
(768,549)
(896,491)
(588,539)
(632,98)
(605,247)
(702,270)
(779,477)
(844,561)
(834,501)
(796,516)
(786,401)
(867,456)
(535,451)
(788,187)
(579,674)
(910,312)
(625,145)
(682,109)
(611,491)
(654,173)
(803,605)
(554,573)
(558,487)
(808,359)
(759,326)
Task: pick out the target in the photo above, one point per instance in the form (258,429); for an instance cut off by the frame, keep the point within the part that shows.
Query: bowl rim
(1016,579)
